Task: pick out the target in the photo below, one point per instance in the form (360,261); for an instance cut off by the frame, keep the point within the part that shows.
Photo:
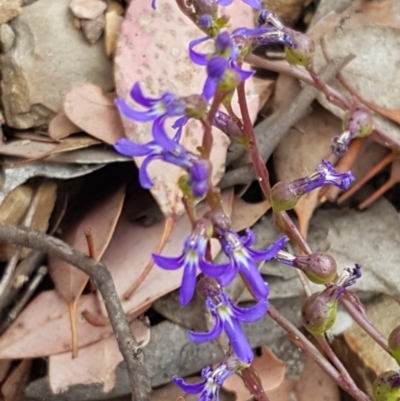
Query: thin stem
(207,138)
(259,166)
(352,388)
(309,349)
(90,243)
(252,381)
(355,309)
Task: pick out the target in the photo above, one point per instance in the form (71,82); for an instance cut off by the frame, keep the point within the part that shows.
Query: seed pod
(319,267)
(394,344)
(386,386)
(303,49)
(319,311)
(359,122)
(284,196)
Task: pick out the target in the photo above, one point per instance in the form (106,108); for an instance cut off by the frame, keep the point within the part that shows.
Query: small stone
(37,72)
(93,29)
(87,9)
(9,9)
(7,37)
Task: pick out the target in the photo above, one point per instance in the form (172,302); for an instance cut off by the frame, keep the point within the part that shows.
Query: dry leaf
(93,111)
(113,26)
(14,387)
(43,328)
(245,215)
(65,371)
(283,392)
(70,281)
(316,384)
(61,126)
(270,369)
(147,38)
(130,251)
(5,365)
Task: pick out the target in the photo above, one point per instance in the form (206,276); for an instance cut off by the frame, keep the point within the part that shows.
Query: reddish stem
(259,166)
(252,381)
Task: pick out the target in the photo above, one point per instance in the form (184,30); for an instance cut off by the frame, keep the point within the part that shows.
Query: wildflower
(192,259)
(161,148)
(267,18)
(262,36)
(242,259)
(228,126)
(208,389)
(358,123)
(285,195)
(222,68)
(227,317)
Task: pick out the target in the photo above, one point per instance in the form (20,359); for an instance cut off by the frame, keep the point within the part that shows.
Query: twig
(16,310)
(101,277)
(12,263)
(271,131)
(90,243)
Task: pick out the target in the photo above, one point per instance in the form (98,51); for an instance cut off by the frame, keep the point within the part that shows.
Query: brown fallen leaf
(14,387)
(144,41)
(130,250)
(65,371)
(284,392)
(244,214)
(4,369)
(70,281)
(61,126)
(113,26)
(270,369)
(43,328)
(93,111)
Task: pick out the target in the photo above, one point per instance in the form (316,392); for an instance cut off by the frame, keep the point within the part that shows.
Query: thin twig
(30,289)
(271,131)
(101,277)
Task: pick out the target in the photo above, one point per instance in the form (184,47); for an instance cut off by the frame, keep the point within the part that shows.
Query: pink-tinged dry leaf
(37,150)
(130,251)
(93,111)
(315,384)
(153,49)
(61,126)
(283,392)
(43,328)
(14,387)
(70,281)
(271,371)
(244,214)
(96,363)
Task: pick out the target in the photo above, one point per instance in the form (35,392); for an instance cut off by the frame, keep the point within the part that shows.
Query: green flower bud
(394,344)
(359,122)
(285,195)
(386,386)
(319,311)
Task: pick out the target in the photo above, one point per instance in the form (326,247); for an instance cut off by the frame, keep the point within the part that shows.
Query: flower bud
(394,343)
(198,177)
(319,267)
(359,122)
(285,195)
(319,311)
(302,50)
(196,107)
(386,386)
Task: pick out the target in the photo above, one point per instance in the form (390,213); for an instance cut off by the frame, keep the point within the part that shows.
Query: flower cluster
(224,67)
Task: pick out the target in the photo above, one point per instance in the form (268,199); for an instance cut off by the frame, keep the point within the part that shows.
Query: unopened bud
(196,107)
(285,195)
(359,122)
(319,311)
(302,50)
(394,344)
(386,386)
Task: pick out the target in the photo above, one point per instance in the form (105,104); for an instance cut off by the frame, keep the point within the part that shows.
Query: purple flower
(168,105)
(252,3)
(267,18)
(198,177)
(221,66)
(161,148)
(242,259)
(227,317)
(192,259)
(208,388)
(348,278)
